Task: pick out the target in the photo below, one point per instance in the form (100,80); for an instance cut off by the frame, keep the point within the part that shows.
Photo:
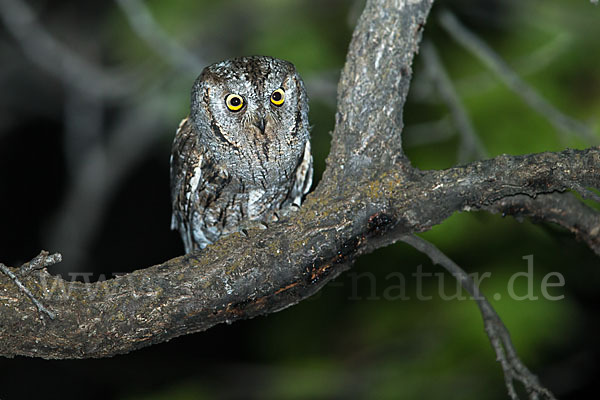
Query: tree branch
(374,83)
(493,61)
(562,209)
(53,56)
(470,144)
(42,260)
(94,181)
(143,23)
(499,336)
(242,277)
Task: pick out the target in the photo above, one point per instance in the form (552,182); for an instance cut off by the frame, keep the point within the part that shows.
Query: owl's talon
(263,225)
(275,217)
(244,232)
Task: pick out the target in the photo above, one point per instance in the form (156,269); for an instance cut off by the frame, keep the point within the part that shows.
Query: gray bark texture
(368,198)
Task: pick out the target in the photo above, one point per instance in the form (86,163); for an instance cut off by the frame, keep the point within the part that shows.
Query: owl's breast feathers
(211,200)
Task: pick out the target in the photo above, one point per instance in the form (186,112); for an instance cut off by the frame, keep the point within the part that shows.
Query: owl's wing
(303,178)
(186,160)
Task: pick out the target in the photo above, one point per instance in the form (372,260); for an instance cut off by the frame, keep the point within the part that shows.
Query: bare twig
(493,61)
(563,209)
(51,55)
(143,23)
(526,65)
(83,127)
(499,336)
(42,260)
(470,144)
(544,55)
(585,192)
(73,225)
(322,86)
(428,132)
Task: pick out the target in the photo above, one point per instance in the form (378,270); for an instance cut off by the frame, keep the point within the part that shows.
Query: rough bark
(369,196)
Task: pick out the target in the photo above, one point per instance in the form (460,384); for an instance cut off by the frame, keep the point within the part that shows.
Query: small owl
(243,153)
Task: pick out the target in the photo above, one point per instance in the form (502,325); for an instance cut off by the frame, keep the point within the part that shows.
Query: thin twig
(584,192)
(158,40)
(470,142)
(48,53)
(322,86)
(428,132)
(42,260)
(83,127)
(499,336)
(563,209)
(494,62)
(528,64)
(75,221)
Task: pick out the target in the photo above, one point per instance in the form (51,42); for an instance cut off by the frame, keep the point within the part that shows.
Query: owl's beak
(260,124)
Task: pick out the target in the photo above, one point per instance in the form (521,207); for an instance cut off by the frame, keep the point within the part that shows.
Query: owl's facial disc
(247,101)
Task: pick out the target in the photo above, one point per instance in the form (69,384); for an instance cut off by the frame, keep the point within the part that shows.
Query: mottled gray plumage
(243,153)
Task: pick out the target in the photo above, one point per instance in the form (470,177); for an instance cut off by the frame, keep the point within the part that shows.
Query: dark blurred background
(92,93)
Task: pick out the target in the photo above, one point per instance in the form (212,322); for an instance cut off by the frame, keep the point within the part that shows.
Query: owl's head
(242,102)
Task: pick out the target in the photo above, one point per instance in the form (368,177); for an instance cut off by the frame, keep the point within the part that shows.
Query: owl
(242,156)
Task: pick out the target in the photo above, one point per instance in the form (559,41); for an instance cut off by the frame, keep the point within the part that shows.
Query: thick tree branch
(242,277)
(374,85)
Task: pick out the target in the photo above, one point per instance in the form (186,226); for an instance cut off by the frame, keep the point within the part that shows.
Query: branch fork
(39,262)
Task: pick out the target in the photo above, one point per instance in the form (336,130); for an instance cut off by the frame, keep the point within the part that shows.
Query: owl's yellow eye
(278,97)
(234,102)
